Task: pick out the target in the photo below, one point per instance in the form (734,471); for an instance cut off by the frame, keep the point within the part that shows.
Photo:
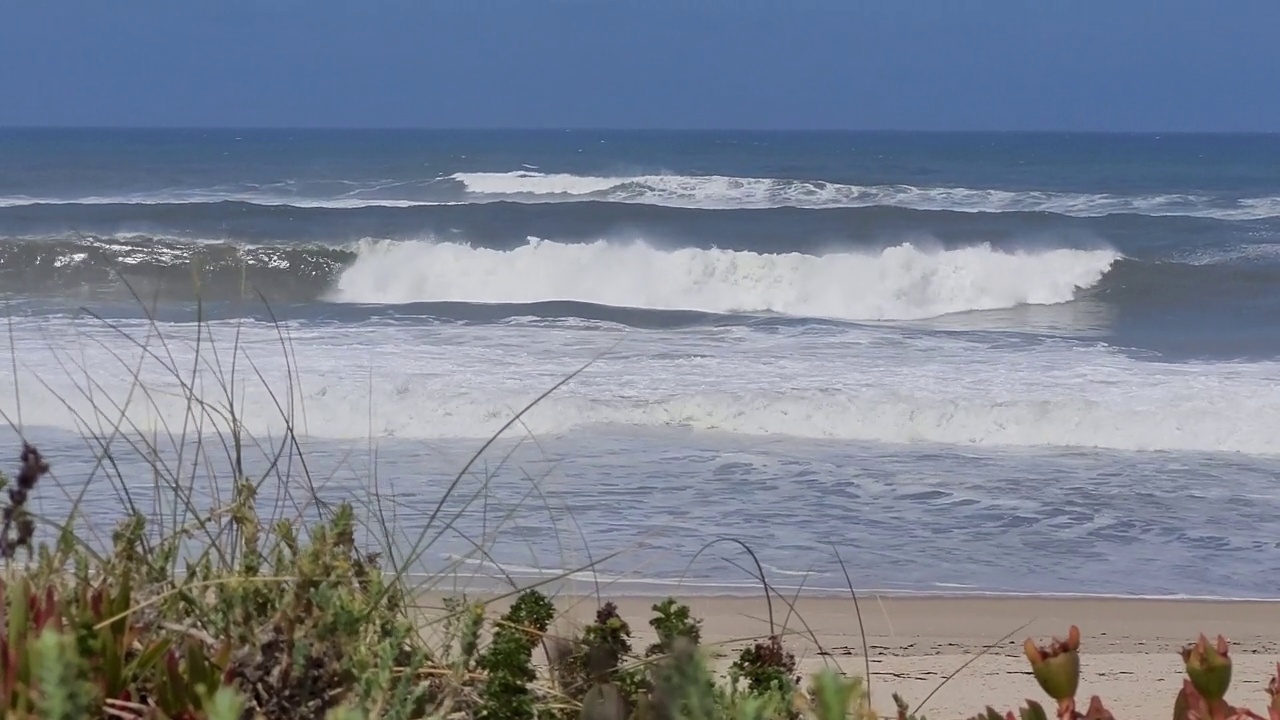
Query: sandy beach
(1129,646)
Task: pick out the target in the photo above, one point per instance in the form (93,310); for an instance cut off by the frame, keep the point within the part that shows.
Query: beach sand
(1129,647)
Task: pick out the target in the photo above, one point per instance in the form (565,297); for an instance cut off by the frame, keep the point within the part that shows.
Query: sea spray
(902,282)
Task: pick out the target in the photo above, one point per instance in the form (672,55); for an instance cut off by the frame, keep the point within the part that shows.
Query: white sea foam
(1255,252)
(656,586)
(693,191)
(897,283)
(535,183)
(857,384)
(722,192)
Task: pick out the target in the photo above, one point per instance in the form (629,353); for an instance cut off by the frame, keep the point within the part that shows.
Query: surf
(722,192)
(902,282)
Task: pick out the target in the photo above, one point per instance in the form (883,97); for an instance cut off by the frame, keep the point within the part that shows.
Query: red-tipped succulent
(1056,667)
(1273,692)
(1209,667)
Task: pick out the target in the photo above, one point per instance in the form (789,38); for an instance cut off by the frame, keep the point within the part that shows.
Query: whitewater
(898,283)
(722,192)
(708,192)
(384,379)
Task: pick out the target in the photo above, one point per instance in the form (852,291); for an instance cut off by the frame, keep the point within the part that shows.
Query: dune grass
(218,602)
(204,603)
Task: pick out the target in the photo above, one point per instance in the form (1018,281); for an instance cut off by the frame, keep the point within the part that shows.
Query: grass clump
(277,626)
(278,620)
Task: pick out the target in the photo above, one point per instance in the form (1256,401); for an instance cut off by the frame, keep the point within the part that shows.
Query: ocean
(957,363)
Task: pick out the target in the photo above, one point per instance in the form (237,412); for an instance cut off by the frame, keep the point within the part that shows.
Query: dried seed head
(15,517)
(33,467)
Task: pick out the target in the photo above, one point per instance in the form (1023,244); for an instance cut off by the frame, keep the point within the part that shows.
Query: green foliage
(673,620)
(65,655)
(59,672)
(465,621)
(833,697)
(609,631)
(592,672)
(684,687)
(767,667)
(279,627)
(508,659)
(224,704)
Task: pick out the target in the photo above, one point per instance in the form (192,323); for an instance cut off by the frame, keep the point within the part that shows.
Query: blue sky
(891,64)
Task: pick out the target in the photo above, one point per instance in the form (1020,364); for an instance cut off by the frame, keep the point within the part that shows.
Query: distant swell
(708,192)
(897,283)
(508,223)
(721,192)
(166,268)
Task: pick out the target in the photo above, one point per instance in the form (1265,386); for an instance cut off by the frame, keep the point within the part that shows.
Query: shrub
(767,667)
(508,660)
(673,620)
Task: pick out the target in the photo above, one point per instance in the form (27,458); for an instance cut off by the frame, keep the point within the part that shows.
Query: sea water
(1022,363)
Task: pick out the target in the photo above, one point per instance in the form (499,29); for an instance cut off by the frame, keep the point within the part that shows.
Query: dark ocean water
(926,327)
(1194,221)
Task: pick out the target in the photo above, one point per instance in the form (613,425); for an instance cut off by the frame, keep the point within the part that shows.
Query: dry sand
(1129,646)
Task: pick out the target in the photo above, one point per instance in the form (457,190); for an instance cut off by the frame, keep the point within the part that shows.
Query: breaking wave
(708,192)
(903,282)
(723,192)
(638,284)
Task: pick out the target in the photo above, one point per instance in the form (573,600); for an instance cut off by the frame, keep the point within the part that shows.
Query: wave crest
(903,282)
(708,192)
(724,192)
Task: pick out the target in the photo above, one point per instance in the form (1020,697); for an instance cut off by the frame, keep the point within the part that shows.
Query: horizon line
(513,128)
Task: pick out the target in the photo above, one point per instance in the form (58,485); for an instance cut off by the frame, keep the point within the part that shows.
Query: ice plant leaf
(1097,711)
(1273,691)
(1056,666)
(1033,711)
(1209,667)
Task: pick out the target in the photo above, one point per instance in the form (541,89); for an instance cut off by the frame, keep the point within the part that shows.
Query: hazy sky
(883,64)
